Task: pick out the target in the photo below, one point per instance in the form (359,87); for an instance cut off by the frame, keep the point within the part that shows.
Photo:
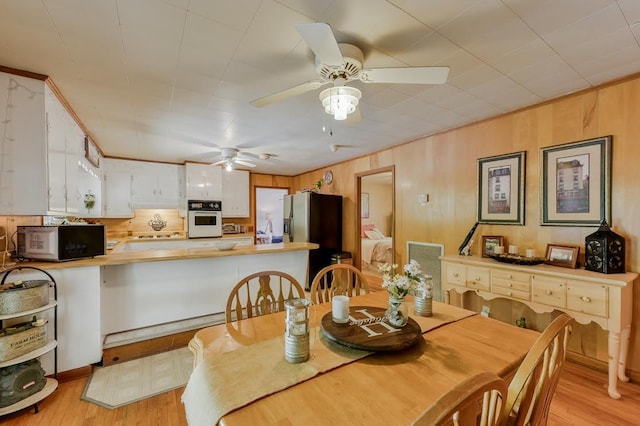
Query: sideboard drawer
(513,285)
(521,277)
(590,299)
(456,274)
(549,291)
(510,292)
(478,279)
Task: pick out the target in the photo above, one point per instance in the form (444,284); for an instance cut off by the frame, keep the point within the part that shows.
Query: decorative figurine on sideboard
(465,247)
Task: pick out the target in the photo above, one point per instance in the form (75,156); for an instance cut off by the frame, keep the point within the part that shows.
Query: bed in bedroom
(375,248)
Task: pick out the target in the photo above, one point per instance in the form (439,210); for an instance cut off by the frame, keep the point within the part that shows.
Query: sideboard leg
(447,296)
(614,358)
(624,348)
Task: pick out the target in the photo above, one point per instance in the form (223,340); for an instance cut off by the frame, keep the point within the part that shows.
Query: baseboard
(598,365)
(144,348)
(69,375)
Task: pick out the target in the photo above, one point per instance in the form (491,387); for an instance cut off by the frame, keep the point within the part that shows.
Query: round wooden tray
(382,337)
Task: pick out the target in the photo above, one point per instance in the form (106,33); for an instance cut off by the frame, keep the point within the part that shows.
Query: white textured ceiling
(172,80)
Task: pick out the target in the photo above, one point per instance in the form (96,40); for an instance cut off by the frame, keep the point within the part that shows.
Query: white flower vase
(397,313)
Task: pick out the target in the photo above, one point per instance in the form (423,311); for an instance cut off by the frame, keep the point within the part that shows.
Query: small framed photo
(565,256)
(501,189)
(489,243)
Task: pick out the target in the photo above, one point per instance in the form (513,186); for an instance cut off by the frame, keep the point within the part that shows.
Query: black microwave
(60,243)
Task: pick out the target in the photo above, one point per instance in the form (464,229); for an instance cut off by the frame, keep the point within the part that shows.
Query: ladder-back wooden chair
(477,400)
(260,294)
(337,278)
(535,381)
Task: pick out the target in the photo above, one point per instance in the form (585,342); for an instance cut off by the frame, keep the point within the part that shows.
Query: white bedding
(376,250)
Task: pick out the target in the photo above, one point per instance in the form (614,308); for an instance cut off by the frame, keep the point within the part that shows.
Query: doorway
(269,214)
(376,222)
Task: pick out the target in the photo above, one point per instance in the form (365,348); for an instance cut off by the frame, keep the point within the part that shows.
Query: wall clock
(328,177)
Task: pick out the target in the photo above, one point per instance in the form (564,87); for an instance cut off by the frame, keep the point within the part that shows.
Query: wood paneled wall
(445,167)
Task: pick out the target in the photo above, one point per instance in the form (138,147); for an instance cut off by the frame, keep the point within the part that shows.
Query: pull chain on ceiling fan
(340,63)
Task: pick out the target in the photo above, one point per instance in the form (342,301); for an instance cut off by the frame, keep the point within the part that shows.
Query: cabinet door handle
(477,278)
(509,276)
(585,299)
(455,274)
(548,292)
(510,285)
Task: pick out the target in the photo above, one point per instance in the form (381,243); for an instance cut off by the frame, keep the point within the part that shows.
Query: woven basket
(30,295)
(18,344)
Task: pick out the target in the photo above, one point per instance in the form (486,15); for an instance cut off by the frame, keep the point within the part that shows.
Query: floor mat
(131,381)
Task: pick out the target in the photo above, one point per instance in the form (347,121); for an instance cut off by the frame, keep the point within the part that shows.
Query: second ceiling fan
(340,63)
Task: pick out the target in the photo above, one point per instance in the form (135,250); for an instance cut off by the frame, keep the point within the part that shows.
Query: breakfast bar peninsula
(137,289)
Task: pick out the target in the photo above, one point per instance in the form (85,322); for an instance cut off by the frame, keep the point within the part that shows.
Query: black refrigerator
(315,218)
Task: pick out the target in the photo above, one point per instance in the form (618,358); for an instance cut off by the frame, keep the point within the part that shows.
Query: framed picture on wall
(91,152)
(501,189)
(576,183)
(364,203)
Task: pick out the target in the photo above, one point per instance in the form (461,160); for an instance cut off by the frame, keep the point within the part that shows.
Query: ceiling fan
(340,63)
(231,156)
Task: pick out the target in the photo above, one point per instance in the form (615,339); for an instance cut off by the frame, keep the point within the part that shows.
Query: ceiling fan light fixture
(340,101)
(229,165)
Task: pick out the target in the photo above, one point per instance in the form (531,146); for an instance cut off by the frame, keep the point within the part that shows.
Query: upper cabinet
(117,182)
(156,185)
(204,182)
(235,193)
(23,155)
(41,149)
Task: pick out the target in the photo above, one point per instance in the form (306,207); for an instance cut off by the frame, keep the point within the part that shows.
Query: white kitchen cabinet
(117,179)
(23,155)
(156,185)
(65,149)
(204,182)
(235,193)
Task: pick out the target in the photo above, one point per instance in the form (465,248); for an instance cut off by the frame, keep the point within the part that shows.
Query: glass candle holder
(296,336)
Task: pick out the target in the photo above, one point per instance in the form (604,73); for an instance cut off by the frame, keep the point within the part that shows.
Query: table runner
(224,382)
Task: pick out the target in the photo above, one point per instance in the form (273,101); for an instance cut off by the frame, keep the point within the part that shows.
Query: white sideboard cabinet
(587,296)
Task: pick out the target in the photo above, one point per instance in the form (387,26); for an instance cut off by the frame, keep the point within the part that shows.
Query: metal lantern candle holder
(296,336)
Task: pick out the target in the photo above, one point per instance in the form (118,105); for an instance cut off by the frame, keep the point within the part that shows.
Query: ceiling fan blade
(321,40)
(244,163)
(410,75)
(219,162)
(289,93)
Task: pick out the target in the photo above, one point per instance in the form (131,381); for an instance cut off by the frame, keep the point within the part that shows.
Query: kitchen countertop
(163,255)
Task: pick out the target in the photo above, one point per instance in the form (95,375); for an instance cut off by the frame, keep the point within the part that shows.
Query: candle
(498,250)
(340,309)
(513,249)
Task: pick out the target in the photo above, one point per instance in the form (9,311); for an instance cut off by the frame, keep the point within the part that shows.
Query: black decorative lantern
(604,251)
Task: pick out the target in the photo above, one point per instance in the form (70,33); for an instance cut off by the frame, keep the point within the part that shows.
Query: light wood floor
(580,399)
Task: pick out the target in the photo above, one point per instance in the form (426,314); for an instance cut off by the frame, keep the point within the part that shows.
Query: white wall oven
(204,219)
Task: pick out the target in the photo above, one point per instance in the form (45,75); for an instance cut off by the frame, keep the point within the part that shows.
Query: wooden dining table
(377,388)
